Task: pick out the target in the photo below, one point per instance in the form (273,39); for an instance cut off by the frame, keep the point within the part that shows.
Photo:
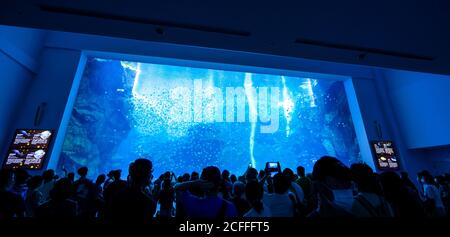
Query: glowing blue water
(179,117)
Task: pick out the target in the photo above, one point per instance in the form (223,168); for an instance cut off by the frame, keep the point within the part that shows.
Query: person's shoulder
(296,185)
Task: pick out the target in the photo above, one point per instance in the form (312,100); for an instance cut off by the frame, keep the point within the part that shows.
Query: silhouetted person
(85,194)
(60,205)
(166,197)
(11,204)
(242,205)
(48,183)
(134,203)
(226,187)
(333,187)
(233,178)
(261,175)
(254,193)
(294,187)
(281,202)
(20,182)
(109,179)
(99,201)
(434,206)
(444,190)
(211,205)
(407,182)
(34,196)
(99,184)
(306,184)
(226,175)
(112,189)
(404,202)
(251,175)
(196,191)
(71,177)
(369,201)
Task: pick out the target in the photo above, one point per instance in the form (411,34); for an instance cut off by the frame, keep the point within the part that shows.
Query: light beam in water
(288,106)
(253,114)
(136,79)
(312,101)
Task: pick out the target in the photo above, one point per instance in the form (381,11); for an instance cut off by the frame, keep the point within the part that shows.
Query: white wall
(19,53)
(421,103)
(52,86)
(421,106)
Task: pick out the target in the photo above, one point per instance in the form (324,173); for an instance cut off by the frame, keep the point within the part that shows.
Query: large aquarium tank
(184,119)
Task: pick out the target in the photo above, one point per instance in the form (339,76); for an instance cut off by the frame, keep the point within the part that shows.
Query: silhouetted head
(301,171)
(110,174)
(100,179)
(226,175)
(281,183)
(116,174)
(212,175)
(62,190)
(141,172)
(166,176)
(22,176)
(421,175)
(261,174)
(83,171)
(391,183)
(48,175)
(35,182)
(365,179)
(238,189)
(428,178)
(186,177)
(251,175)
(289,174)
(71,176)
(233,178)
(332,172)
(194,176)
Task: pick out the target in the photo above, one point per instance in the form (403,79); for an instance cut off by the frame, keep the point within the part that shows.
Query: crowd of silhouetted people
(331,190)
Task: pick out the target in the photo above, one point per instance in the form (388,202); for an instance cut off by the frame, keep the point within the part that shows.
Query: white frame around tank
(358,123)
